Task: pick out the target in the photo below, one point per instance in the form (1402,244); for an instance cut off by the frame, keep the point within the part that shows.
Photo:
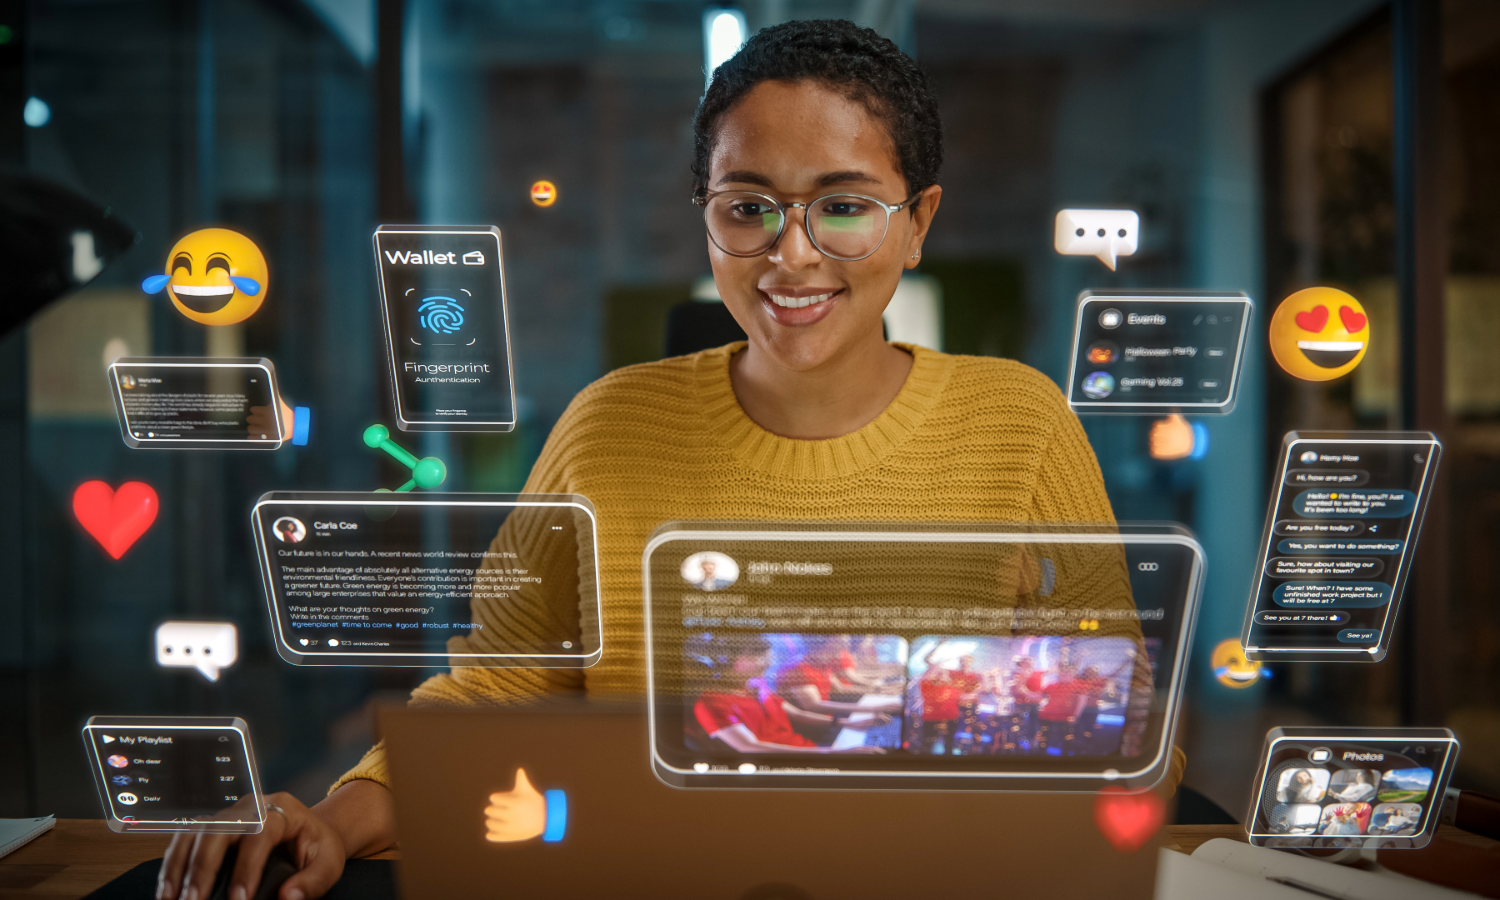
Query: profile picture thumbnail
(1353,785)
(1295,818)
(127,381)
(1099,385)
(1308,457)
(1345,819)
(1302,785)
(1102,353)
(289,530)
(710,570)
(1395,819)
(1405,785)
(117,761)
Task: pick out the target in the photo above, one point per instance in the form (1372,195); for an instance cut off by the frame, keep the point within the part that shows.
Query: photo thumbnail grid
(937,696)
(1349,802)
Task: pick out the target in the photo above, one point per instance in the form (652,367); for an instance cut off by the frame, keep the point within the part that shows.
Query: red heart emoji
(1353,321)
(116,519)
(1313,320)
(1128,819)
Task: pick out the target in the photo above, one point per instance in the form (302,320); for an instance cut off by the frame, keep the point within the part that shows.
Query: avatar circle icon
(710,570)
(214,276)
(289,530)
(117,761)
(1231,667)
(1319,334)
(1099,385)
(1102,353)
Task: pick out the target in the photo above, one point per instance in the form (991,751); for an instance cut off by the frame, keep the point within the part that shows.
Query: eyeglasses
(845,227)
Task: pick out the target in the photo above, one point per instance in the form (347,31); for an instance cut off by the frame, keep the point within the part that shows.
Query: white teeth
(192,290)
(798,302)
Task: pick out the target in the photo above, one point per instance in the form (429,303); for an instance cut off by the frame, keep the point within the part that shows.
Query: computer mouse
(279,867)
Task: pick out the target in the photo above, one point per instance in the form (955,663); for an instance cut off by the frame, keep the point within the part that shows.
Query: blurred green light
(6,34)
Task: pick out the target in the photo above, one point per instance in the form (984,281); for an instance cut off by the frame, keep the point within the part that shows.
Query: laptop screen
(916,657)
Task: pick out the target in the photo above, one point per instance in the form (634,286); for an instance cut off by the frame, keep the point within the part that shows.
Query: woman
(817,149)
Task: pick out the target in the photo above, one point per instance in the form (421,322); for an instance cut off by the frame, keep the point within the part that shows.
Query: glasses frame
(702,197)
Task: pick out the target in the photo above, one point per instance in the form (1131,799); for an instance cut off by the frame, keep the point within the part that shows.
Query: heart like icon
(1128,819)
(116,518)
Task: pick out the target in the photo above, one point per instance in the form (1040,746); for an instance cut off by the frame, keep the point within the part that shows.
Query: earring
(917,254)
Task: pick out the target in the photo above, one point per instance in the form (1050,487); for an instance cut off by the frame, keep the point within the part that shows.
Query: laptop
(627,834)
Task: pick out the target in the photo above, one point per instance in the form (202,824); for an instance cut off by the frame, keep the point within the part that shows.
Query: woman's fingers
(255,849)
(320,862)
(203,866)
(172,866)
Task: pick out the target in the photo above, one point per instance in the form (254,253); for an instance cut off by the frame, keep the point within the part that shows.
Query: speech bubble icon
(205,646)
(1105,233)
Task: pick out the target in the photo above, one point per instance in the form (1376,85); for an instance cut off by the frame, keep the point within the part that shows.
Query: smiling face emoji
(214,276)
(1231,667)
(1319,333)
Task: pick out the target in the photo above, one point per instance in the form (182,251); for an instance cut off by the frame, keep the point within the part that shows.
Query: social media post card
(911,657)
(198,403)
(1324,788)
(1341,526)
(390,579)
(1046,696)
(447,335)
(175,774)
(1151,353)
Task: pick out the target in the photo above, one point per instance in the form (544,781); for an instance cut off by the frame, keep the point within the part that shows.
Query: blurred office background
(1268,145)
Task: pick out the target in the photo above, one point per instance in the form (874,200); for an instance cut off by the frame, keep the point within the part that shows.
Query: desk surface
(79,855)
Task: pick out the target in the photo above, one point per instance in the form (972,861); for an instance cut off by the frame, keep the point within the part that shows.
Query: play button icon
(108,739)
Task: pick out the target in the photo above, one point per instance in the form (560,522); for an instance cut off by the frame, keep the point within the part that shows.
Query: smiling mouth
(798,302)
(202,298)
(1330,354)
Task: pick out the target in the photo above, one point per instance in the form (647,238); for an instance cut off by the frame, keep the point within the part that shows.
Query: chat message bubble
(1332,546)
(1313,528)
(1375,504)
(1327,477)
(1283,617)
(206,646)
(1301,594)
(1105,233)
(1307,567)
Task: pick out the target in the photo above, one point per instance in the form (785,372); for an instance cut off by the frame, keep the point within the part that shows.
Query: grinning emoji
(1231,667)
(214,276)
(1319,333)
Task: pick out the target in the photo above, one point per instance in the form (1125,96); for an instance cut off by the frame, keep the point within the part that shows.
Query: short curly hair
(857,62)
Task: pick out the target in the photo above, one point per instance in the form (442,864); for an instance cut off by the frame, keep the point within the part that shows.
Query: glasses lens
(847,227)
(741,223)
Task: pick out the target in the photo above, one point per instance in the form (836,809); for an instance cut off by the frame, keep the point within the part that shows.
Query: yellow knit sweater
(966,439)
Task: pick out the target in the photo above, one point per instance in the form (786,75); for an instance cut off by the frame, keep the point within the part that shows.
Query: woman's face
(796,142)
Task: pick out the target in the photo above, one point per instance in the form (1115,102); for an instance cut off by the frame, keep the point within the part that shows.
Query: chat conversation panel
(1151,353)
(1350,787)
(447,336)
(197,403)
(430,579)
(913,658)
(1344,515)
(175,774)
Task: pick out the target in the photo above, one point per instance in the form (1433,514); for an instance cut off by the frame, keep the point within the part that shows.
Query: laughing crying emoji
(214,277)
(1319,334)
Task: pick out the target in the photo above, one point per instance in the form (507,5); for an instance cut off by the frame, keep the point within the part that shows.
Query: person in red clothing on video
(732,710)
(1063,700)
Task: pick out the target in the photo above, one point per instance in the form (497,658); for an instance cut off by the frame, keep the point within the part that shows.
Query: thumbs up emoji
(523,813)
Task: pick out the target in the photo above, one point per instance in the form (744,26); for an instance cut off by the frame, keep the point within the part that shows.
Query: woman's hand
(192,861)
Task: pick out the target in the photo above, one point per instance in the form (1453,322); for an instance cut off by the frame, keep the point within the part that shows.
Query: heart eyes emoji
(1313,320)
(1319,333)
(1353,320)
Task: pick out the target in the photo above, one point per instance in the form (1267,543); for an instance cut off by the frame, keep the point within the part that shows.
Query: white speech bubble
(205,646)
(1105,233)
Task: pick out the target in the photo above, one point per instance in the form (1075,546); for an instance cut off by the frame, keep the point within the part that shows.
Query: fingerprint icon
(441,315)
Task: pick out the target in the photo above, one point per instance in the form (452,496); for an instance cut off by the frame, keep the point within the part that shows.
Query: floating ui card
(1329,788)
(1340,536)
(174,773)
(430,579)
(442,291)
(1154,352)
(197,403)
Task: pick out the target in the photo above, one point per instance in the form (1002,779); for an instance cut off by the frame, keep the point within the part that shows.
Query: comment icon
(208,647)
(1105,233)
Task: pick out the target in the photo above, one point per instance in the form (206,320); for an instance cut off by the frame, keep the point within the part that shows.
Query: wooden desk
(80,855)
